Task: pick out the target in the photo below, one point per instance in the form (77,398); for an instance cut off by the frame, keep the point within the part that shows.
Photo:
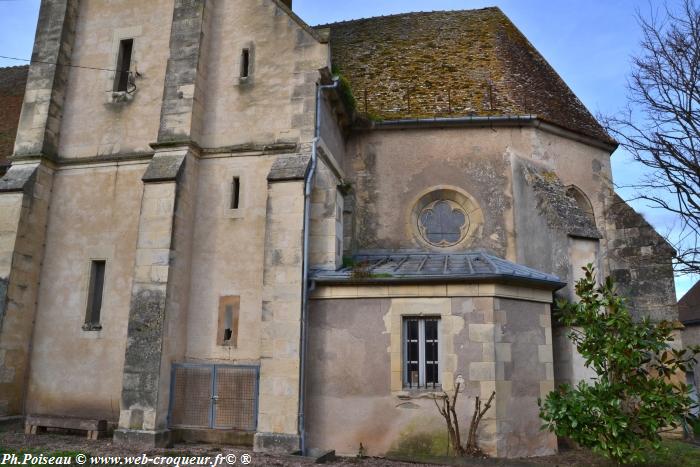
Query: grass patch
(673,453)
(696,428)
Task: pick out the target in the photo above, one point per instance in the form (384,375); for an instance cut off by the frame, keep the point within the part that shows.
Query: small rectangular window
(121,78)
(235,193)
(95,289)
(245,63)
(229,315)
(421,346)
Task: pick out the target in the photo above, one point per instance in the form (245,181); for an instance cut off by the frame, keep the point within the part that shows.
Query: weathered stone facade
(495,338)
(232,168)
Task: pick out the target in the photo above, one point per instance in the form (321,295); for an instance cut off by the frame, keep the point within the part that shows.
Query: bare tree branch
(661,125)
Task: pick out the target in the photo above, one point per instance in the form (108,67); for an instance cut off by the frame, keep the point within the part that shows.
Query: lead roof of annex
(421,267)
(452,64)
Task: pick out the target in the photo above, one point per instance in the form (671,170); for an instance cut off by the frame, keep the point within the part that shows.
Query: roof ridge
(408,13)
(13,66)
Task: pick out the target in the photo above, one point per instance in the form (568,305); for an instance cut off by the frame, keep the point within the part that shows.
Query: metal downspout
(305,288)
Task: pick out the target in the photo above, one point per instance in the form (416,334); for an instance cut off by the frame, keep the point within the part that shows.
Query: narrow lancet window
(95,289)
(235,193)
(245,63)
(121,79)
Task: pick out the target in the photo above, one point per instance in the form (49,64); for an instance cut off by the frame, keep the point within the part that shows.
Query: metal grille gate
(214,396)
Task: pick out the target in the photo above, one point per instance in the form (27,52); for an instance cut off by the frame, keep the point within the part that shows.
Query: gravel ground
(12,437)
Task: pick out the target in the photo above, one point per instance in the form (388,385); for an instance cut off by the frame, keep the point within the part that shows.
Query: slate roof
(451,64)
(429,267)
(689,306)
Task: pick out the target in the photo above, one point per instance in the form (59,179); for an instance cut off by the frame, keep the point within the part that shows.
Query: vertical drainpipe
(305,287)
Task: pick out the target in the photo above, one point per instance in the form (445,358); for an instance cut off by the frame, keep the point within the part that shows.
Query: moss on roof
(13,79)
(452,63)
(12,83)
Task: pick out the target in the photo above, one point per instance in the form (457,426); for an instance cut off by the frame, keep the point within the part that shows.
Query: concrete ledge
(281,443)
(149,439)
(208,436)
(332,292)
(289,167)
(11,420)
(18,178)
(317,456)
(164,168)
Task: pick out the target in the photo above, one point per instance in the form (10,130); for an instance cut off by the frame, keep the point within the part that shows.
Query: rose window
(443,223)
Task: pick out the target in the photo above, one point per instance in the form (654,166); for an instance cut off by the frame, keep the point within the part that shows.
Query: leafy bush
(635,395)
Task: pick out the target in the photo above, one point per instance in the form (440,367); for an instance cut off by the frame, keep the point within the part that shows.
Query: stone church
(220,223)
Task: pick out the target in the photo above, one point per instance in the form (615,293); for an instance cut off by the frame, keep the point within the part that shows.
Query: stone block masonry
(492,341)
(281,319)
(26,196)
(153,336)
(24,204)
(178,113)
(40,122)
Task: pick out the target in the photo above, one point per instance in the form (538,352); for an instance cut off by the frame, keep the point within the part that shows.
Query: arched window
(582,201)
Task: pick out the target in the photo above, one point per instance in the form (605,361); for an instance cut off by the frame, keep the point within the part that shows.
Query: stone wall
(96,219)
(326,226)
(281,318)
(561,238)
(281,86)
(185,76)
(39,128)
(228,254)
(25,193)
(355,391)
(156,332)
(481,161)
(640,262)
(94,122)
(390,170)
(157,234)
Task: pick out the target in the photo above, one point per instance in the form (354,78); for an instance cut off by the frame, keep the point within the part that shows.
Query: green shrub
(632,399)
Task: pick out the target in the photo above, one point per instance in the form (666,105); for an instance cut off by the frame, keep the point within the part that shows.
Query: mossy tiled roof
(12,83)
(452,63)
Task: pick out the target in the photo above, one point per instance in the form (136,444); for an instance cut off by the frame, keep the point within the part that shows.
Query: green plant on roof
(345,90)
(381,275)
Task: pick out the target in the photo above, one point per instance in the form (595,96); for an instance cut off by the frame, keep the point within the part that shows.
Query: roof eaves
(489,121)
(507,279)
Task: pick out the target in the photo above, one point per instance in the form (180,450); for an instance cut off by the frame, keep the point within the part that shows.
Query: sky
(589,43)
